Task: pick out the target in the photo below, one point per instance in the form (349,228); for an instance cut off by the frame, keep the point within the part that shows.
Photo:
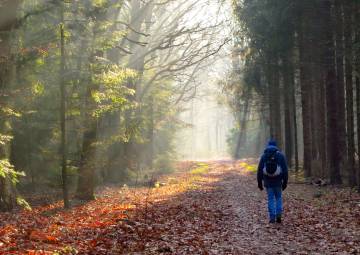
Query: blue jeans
(274,202)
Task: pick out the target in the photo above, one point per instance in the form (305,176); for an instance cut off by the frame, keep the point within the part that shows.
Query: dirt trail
(215,208)
(310,225)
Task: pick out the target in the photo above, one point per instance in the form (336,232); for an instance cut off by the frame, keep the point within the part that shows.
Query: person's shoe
(272,221)
(278,219)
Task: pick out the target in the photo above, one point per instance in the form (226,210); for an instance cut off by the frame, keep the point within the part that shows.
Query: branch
(124,50)
(169,70)
(143,44)
(132,29)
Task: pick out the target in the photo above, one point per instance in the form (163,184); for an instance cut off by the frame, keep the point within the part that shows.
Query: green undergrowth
(197,175)
(201,168)
(249,167)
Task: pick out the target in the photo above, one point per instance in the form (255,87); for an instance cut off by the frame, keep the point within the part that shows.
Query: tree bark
(296,148)
(349,94)
(340,88)
(243,125)
(274,100)
(277,103)
(151,133)
(321,107)
(357,83)
(318,103)
(86,172)
(287,92)
(305,74)
(8,20)
(86,181)
(332,134)
(63,115)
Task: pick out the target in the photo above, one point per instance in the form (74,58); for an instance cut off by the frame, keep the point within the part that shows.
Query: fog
(208,120)
(98,92)
(206,117)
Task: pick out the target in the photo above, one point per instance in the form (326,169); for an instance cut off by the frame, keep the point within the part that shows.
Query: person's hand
(284,185)
(260,186)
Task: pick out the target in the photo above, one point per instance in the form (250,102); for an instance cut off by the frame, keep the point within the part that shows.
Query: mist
(208,120)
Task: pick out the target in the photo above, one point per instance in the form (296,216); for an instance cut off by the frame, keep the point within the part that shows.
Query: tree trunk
(317,45)
(277,103)
(358,124)
(270,95)
(150,146)
(321,106)
(318,103)
(314,113)
(273,79)
(349,94)
(288,87)
(8,20)
(296,148)
(86,181)
(340,88)
(357,83)
(63,113)
(332,134)
(243,126)
(305,74)
(141,14)
(86,172)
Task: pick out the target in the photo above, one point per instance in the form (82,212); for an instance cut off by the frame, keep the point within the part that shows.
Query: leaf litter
(217,211)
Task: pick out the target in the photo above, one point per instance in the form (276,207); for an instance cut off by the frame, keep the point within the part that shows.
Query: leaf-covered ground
(207,208)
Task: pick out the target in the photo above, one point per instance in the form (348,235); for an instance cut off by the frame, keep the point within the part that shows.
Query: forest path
(311,224)
(204,208)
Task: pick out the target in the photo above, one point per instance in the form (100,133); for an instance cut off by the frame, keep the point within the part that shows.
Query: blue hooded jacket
(277,181)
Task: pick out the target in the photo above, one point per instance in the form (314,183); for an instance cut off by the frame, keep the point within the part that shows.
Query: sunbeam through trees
(136,127)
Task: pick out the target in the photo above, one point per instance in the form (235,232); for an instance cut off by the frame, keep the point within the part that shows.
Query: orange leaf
(51,239)
(35,252)
(93,242)
(40,236)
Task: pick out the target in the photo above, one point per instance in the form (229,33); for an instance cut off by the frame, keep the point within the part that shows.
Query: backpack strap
(276,173)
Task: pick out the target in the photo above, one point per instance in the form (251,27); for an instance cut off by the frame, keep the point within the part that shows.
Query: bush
(164,163)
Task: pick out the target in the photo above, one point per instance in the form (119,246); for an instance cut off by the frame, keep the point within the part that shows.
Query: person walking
(272,173)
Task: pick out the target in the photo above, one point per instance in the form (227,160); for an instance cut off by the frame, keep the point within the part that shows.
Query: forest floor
(205,208)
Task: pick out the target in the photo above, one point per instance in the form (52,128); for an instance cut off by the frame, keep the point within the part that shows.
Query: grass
(201,168)
(249,167)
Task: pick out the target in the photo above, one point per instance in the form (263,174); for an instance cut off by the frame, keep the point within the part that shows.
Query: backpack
(271,167)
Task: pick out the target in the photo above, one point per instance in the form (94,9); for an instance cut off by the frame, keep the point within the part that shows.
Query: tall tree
(332,134)
(348,15)
(243,123)
(303,31)
(87,179)
(356,51)
(340,88)
(8,21)
(289,107)
(63,111)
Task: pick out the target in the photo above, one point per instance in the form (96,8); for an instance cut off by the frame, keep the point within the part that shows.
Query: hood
(270,149)
(272,142)
(271,146)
